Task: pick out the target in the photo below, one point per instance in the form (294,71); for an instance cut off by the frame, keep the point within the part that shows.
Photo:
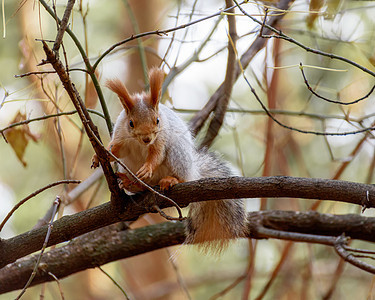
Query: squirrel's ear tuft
(115,85)
(156,78)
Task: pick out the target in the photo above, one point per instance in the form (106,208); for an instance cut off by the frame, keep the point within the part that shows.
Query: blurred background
(57,148)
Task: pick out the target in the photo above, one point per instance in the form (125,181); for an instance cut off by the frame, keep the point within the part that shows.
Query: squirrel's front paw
(94,162)
(123,181)
(127,184)
(145,172)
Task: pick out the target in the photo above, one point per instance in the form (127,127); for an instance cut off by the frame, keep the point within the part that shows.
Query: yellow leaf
(17,139)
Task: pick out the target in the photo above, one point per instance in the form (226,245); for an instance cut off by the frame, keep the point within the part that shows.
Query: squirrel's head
(142,113)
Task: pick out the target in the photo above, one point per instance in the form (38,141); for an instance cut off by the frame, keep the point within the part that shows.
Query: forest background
(299,104)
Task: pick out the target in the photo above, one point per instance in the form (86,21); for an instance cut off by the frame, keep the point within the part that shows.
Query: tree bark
(112,243)
(69,227)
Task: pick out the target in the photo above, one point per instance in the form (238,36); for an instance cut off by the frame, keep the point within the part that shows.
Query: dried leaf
(18,137)
(18,140)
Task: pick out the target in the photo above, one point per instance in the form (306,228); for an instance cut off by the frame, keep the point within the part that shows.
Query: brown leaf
(18,137)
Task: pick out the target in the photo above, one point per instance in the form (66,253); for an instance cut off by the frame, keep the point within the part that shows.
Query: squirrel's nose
(146,140)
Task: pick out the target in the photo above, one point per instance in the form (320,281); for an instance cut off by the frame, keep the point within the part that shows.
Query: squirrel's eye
(131,124)
(157,120)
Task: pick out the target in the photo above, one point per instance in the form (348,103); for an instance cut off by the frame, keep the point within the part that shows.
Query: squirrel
(157,146)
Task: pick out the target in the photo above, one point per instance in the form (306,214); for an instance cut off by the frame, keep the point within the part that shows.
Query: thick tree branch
(92,250)
(69,227)
(112,243)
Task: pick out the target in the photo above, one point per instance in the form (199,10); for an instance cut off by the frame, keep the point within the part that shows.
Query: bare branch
(63,113)
(340,250)
(155,32)
(330,100)
(89,126)
(63,25)
(197,122)
(110,243)
(72,226)
(33,195)
(320,133)
(281,35)
(55,205)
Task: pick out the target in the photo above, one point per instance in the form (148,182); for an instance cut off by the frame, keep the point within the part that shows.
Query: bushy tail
(211,224)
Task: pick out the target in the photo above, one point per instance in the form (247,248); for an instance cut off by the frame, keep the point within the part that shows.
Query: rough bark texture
(113,242)
(80,223)
(89,251)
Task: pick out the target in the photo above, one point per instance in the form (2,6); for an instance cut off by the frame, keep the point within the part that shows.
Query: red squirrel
(157,146)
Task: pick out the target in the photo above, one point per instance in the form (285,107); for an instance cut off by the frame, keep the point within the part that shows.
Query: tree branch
(63,26)
(92,250)
(111,243)
(69,227)
(91,130)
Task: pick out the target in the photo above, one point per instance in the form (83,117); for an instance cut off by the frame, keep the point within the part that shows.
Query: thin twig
(347,248)
(63,113)
(229,287)
(58,284)
(363,130)
(155,32)
(340,250)
(180,279)
(56,205)
(330,100)
(88,124)
(296,237)
(264,21)
(320,117)
(33,195)
(115,282)
(280,34)
(276,271)
(86,60)
(34,73)
(165,216)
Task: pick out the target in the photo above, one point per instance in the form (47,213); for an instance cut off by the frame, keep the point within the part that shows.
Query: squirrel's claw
(94,162)
(145,172)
